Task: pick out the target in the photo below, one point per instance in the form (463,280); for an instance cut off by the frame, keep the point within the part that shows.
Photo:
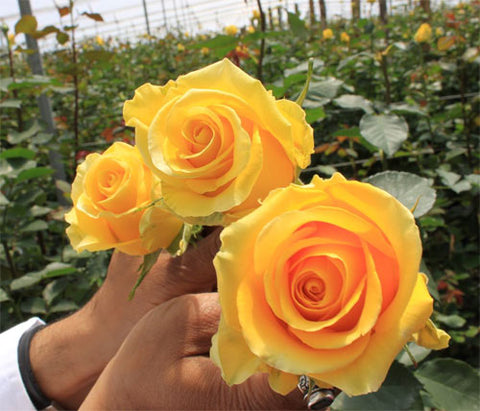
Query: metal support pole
(146,16)
(35,63)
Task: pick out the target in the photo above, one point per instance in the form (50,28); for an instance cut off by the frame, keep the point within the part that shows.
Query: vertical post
(164,16)
(355,4)
(146,16)
(323,14)
(312,13)
(35,63)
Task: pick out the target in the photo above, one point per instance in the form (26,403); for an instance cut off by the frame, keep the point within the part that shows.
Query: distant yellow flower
(327,34)
(344,37)
(423,34)
(205,51)
(11,38)
(256,14)
(439,31)
(99,41)
(231,30)
(203,37)
(251,29)
(186,34)
(371,1)
(180,47)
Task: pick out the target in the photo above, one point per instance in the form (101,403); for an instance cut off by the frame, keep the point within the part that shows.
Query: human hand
(164,364)
(68,356)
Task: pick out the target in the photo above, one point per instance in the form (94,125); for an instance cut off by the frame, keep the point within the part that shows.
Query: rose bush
(219,141)
(321,280)
(111,193)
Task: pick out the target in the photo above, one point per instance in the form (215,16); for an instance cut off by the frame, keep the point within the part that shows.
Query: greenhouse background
(390,89)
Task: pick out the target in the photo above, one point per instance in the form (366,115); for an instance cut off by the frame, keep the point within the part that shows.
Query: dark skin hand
(68,356)
(164,364)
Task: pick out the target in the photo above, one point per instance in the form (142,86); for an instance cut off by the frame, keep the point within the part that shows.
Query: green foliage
(400,115)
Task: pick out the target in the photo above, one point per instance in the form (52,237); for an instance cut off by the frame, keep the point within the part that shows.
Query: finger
(199,385)
(192,272)
(191,321)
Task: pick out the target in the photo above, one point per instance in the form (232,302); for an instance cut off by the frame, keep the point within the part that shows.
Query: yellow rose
(344,37)
(180,47)
(218,141)
(205,51)
(423,34)
(321,280)
(99,41)
(110,194)
(231,30)
(327,34)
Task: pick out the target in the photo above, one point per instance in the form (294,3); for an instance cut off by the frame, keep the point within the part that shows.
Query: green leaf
(3,200)
(452,384)
(399,391)
(17,153)
(37,225)
(405,108)
(453,181)
(3,296)
(148,262)
(62,37)
(453,321)
(11,104)
(385,131)
(54,269)
(326,88)
(220,44)
(58,269)
(351,101)
(93,16)
(297,25)
(64,306)
(304,92)
(27,25)
(53,290)
(410,189)
(34,173)
(418,352)
(314,114)
(17,138)
(34,305)
(26,280)
(98,55)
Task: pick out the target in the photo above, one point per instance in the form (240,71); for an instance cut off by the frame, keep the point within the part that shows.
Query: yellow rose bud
(321,280)
(371,1)
(256,14)
(423,34)
(11,38)
(180,47)
(251,29)
(110,194)
(344,37)
(327,34)
(231,30)
(205,51)
(99,41)
(218,140)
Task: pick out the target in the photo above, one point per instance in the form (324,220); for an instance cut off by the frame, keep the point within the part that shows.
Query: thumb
(193,271)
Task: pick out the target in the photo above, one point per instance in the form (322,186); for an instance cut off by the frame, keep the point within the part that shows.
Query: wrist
(65,361)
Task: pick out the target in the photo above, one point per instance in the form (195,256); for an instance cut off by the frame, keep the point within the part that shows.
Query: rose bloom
(218,141)
(111,193)
(423,34)
(344,37)
(231,30)
(321,280)
(327,34)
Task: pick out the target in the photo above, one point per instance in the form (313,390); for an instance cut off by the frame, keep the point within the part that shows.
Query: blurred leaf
(303,67)
(418,352)
(445,43)
(11,104)
(26,280)
(220,44)
(407,188)
(385,131)
(57,269)
(33,305)
(17,138)
(351,101)
(453,321)
(399,391)
(93,16)
(453,181)
(64,306)
(62,37)
(38,211)
(297,25)
(37,225)
(404,108)
(53,289)
(27,25)
(314,114)
(452,384)
(63,11)
(98,55)
(34,173)
(17,153)
(3,296)
(3,199)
